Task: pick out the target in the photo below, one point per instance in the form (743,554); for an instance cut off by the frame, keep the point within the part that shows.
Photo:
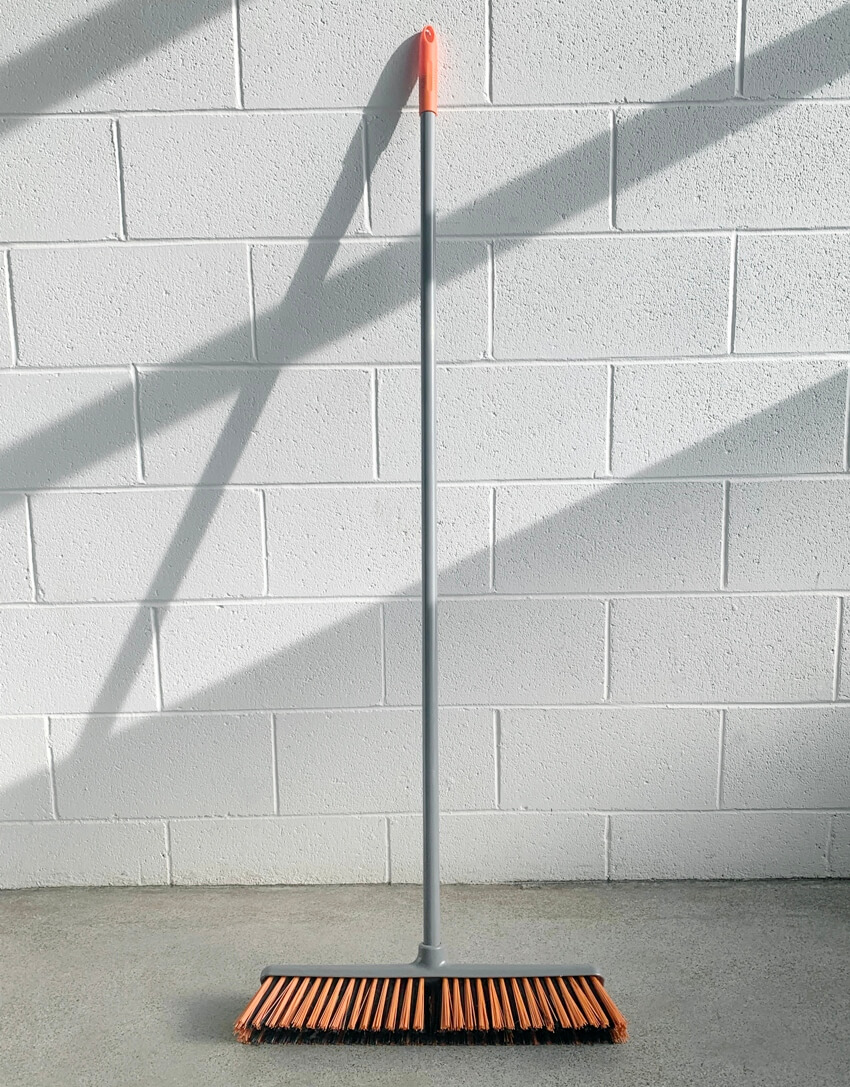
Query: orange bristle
(496,1017)
(509,1010)
(320,1005)
(560,1010)
(283,1003)
(245,1018)
(445,1005)
(481,1006)
(300,1017)
(581,998)
(619,1028)
(357,1004)
(366,1014)
(406,1019)
(457,1006)
(575,1011)
(343,1007)
(392,1011)
(330,1006)
(543,1004)
(522,1015)
(468,1007)
(419,1014)
(270,1002)
(531,1003)
(377,1018)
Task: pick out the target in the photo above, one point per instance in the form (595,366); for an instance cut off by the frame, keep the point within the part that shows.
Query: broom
(430,1000)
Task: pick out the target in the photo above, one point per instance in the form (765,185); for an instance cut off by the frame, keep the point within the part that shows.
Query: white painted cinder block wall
(208,417)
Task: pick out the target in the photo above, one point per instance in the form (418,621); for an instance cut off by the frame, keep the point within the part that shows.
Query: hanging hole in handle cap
(428,70)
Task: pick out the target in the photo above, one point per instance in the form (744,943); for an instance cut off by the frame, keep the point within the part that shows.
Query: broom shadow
(347,303)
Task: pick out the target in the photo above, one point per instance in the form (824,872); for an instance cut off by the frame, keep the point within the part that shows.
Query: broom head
(409,1005)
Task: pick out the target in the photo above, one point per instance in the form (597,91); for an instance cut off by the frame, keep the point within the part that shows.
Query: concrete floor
(723,983)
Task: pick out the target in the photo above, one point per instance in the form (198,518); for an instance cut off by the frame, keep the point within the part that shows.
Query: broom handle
(430,950)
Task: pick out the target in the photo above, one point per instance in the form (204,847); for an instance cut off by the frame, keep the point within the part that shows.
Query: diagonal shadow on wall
(92,50)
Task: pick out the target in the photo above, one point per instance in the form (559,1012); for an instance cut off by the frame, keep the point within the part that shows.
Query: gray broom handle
(430,950)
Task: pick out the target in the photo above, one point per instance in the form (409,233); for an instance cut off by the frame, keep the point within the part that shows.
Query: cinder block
(718,845)
(242,175)
(620,296)
(24,773)
(710,167)
(497,422)
(328,849)
(796,48)
(557,52)
(617,537)
(268,656)
(609,758)
(727,418)
(499,171)
(369,760)
(350,541)
(839,853)
(76,659)
(137,767)
(296,55)
(15,582)
(359,302)
(148,545)
(59,854)
(793,292)
(256,426)
(787,757)
(719,649)
(789,534)
(59,180)
(72,428)
(479,847)
(113,305)
(85,55)
(510,652)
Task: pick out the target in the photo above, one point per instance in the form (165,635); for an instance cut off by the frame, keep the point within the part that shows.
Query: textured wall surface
(209,440)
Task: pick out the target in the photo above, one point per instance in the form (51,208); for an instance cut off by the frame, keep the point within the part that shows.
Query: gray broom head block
(445,970)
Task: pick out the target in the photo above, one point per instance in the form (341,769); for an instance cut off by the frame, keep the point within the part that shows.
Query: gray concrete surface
(723,983)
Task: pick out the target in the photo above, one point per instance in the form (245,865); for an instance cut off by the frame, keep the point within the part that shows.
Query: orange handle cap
(428,70)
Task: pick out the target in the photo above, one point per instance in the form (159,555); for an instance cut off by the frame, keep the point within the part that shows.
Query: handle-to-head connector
(428,70)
